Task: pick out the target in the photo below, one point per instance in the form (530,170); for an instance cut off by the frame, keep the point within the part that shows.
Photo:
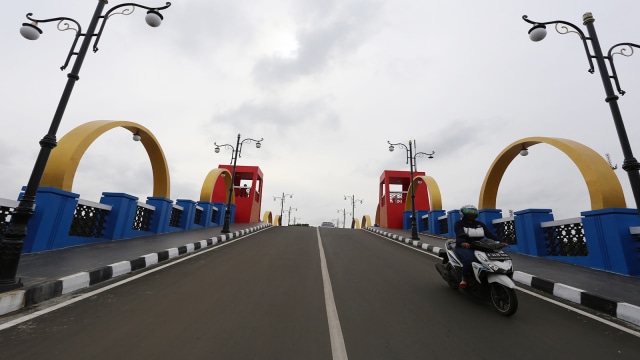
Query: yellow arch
(355,224)
(65,157)
(268,217)
(604,187)
(276,221)
(366,221)
(210,181)
(435,199)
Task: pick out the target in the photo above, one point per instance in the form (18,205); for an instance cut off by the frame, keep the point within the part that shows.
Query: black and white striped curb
(415,243)
(617,309)
(18,299)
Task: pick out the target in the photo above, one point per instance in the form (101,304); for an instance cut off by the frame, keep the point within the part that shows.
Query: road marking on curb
(338,349)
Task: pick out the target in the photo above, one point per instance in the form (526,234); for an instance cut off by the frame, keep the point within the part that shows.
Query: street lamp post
(289,215)
(11,244)
(282,203)
(235,154)
(411,160)
(539,32)
(344,216)
(353,206)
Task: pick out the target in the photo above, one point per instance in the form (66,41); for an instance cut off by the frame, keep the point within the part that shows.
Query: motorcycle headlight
(486,262)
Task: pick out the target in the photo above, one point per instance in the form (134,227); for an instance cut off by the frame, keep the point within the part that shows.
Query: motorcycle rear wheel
(503,299)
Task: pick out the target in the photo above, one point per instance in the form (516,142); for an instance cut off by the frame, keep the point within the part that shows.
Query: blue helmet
(469,212)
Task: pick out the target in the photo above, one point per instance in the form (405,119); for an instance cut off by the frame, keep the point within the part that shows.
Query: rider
(468,230)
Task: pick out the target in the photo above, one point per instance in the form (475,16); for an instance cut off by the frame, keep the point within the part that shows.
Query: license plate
(498,256)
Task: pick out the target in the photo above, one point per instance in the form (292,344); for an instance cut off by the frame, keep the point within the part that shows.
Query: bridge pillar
(488,215)
(529,232)
(452,217)
(187,221)
(608,236)
(434,224)
(120,218)
(53,215)
(162,214)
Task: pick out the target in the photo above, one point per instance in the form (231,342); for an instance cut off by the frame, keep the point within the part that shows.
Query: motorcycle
(492,270)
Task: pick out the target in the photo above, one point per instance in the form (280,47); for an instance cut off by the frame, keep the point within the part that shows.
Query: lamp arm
(623,52)
(226,146)
(424,154)
(60,22)
(562,28)
(63,25)
(405,148)
(248,141)
(128,11)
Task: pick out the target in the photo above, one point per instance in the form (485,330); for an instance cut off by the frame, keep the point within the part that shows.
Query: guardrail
(61,219)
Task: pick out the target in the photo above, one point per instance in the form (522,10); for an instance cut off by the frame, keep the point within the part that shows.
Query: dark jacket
(464,227)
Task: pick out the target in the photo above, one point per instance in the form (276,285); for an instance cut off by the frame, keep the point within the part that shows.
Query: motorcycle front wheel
(503,299)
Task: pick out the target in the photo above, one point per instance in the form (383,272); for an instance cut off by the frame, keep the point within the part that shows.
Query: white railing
(94,204)
(504,219)
(147,206)
(577,220)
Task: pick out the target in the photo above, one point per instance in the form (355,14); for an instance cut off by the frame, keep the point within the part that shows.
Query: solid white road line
(338,350)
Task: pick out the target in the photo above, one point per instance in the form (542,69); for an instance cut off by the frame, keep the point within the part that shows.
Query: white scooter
(492,271)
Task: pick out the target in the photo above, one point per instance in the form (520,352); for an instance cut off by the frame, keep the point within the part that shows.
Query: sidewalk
(614,294)
(49,274)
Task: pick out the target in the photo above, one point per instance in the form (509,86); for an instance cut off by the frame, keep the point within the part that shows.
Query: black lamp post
(11,245)
(282,204)
(411,160)
(235,154)
(353,207)
(538,32)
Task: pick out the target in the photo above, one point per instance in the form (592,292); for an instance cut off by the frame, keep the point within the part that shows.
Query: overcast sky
(326,84)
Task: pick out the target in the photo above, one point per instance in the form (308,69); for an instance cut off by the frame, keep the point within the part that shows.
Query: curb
(17,299)
(620,310)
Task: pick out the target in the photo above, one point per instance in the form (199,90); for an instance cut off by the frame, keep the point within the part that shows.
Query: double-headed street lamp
(282,203)
(539,32)
(353,206)
(235,154)
(11,244)
(411,160)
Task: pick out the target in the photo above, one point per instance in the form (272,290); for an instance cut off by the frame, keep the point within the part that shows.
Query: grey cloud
(206,26)
(320,42)
(280,117)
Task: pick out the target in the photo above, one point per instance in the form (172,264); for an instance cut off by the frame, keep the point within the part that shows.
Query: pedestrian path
(49,274)
(614,294)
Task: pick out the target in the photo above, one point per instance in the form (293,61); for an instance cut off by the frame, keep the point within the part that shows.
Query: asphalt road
(263,297)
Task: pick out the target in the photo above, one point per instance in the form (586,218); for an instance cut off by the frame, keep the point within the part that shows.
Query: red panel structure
(247,190)
(394,197)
